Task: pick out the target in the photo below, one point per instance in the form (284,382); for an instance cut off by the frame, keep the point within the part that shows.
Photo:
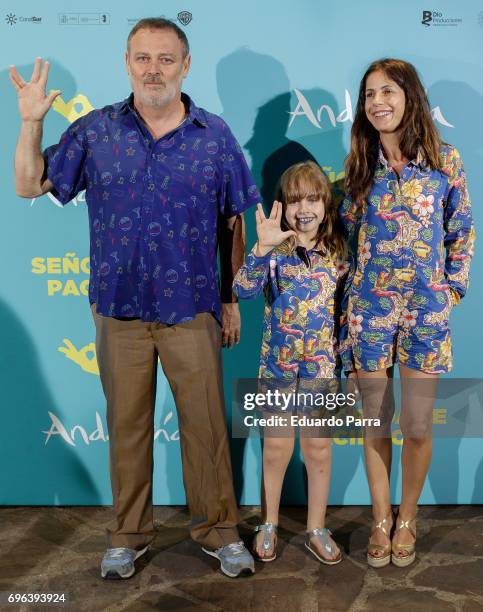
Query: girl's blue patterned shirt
(301,290)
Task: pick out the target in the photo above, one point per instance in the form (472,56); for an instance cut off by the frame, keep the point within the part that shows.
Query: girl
(408,210)
(296,262)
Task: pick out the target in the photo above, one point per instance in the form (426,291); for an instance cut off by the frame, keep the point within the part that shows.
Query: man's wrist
(32,123)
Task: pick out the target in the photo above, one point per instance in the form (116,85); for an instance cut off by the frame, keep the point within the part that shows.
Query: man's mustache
(154,82)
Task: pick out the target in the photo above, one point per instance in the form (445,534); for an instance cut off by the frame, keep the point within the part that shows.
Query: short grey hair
(159,23)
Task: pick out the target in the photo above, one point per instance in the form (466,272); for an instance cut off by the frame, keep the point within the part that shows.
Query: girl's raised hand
(269,231)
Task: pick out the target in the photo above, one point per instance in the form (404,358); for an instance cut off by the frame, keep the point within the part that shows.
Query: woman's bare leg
(378,402)
(418,391)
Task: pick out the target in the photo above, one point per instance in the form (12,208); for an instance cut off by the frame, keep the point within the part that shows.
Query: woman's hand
(269,232)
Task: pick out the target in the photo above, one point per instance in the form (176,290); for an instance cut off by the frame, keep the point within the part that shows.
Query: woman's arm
(458,226)
(343,336)
(350,220)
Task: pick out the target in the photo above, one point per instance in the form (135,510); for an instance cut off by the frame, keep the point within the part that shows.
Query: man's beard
(156,99)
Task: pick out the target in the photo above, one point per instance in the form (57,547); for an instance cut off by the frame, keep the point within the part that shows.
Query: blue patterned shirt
(153,207)
(414,233)
(300,287)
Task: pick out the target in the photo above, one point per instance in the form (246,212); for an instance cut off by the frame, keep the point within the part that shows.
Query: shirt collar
(419,161)
(289,247)
(195,114)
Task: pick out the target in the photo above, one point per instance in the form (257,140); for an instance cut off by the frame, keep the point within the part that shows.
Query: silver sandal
(323,535)
(269,534)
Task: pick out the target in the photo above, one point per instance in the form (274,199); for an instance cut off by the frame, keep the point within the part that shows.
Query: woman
(407,209)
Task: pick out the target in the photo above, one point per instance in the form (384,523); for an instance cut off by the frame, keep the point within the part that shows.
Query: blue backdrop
(285,77)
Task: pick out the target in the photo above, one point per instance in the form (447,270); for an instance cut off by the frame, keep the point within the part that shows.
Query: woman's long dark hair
(418,131)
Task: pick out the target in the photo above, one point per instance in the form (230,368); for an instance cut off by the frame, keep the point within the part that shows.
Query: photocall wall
(285,77)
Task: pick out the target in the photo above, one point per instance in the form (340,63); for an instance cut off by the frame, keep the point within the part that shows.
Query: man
(163,179)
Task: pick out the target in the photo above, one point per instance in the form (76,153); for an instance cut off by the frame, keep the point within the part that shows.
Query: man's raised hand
(33,103)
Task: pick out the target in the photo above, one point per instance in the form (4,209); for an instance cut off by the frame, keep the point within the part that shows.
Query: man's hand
(231,324)
(33,104)
(231,240)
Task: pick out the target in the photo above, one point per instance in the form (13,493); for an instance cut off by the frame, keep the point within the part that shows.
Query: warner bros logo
(185,17)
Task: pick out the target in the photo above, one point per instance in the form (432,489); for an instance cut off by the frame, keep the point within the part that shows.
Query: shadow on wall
(477,497)
(37,474)
(255,92)
(33,473)
(466,136)
(36,469)
(467,133)
(246,80)
(271,151)
(462,106)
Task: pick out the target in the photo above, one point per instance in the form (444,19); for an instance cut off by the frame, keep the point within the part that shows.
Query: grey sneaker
(119,562)
(234,558)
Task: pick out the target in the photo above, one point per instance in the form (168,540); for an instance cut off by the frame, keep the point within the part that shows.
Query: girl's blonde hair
(307,179)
